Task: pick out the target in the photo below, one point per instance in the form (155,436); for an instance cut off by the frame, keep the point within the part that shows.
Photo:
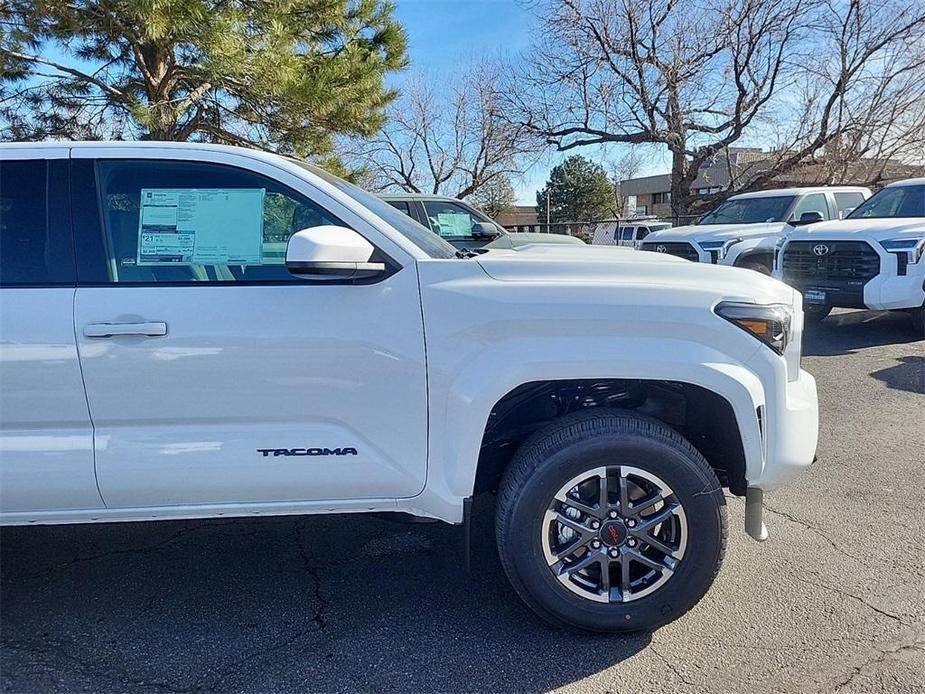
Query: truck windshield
(896,201)
(750,211)
(420,236)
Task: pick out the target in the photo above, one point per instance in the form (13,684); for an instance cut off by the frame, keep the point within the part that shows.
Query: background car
(518,239)
(744,230)
(873,259)
(453,220)
(629,232)
(464,226)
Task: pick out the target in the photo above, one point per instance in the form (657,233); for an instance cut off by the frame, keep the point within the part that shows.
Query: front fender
(460,406)
(741,251)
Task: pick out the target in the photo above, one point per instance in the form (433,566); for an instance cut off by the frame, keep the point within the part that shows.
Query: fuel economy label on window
(201,226)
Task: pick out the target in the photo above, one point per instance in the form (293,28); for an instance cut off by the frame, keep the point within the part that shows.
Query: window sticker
(201,226)
(454,224)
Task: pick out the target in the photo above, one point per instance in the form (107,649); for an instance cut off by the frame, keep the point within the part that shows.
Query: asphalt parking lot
(834,601)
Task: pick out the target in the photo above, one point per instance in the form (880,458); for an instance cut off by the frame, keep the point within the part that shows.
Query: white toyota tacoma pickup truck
(744,230)
(873,259)
(190,331)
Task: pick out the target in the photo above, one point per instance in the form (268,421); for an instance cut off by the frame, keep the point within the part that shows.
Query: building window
(708,191)
(661,198)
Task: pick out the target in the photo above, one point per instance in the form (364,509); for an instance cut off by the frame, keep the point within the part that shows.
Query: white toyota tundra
(189,331)
(744,230)
(873,259)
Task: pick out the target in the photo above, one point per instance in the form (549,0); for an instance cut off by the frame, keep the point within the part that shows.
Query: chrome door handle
(154,329)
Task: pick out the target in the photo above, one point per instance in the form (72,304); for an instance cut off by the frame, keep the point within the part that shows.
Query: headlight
(769,323)
(778,246)
(913,249)
(721,248)
(727,246)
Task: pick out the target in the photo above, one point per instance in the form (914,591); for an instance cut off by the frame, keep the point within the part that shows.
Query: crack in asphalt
(878,658)
(312,571)
(848,594)
(122,552)
(215,683)
(319,620)
(671,666)
(51,655)
(816,531)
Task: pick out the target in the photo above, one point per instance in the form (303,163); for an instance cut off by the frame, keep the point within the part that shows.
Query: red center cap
(613,533)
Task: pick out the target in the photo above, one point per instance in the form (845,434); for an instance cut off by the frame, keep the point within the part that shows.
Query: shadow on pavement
(325,603)
(848,331)
(908,374)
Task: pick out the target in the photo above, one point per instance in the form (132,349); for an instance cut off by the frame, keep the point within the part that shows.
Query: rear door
(218,378)
(46,443)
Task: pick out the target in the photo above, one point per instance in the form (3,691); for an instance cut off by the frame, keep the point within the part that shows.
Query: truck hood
(614,265)
(718,232)
(866,229)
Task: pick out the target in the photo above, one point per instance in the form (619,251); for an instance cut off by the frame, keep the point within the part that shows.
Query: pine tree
(578,191)
(282,75)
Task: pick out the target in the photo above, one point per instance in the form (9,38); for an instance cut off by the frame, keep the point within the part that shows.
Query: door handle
(154,329)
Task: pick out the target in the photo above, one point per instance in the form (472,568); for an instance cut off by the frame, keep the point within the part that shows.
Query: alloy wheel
(614,534)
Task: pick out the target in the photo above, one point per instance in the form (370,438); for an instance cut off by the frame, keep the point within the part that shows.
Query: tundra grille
(830,260)
(680,249)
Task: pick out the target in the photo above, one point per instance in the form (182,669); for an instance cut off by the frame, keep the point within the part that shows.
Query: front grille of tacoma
(680,249)
(830,260)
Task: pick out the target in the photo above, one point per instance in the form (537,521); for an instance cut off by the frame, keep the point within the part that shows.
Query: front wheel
(757,267)
(816,313)
(611,522)
(918,321)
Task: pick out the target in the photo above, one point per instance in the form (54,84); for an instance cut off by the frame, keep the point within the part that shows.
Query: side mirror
(807,218)
(331,253)
(484,229)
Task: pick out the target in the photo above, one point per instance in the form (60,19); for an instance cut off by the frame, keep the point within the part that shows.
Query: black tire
(584,441)
(918,321)
(815,313)
(756,266)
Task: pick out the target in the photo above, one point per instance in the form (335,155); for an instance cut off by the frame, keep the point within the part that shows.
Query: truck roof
(401,195)
(907,182)
(778,192)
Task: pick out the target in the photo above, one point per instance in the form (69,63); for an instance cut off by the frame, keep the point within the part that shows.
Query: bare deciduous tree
(446,138)
(623,168)
(698,78)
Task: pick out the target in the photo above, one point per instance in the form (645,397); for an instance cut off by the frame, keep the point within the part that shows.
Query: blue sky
(444,34)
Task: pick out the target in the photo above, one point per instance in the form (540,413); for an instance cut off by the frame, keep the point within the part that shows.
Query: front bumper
(789,446)
(884,290)
(791,433)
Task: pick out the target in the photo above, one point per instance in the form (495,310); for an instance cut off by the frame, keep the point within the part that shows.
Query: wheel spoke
(648,502)
(653,541)
(583,563)
(559,554)
(646,561)
(624,494)
(604,561)
(660,517)
(603,498)
(581,506)
(584,531)
(624,575)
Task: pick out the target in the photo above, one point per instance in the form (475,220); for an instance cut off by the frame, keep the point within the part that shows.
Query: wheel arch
(702,416)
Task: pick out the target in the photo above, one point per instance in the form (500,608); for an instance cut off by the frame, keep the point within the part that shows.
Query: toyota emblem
(821,249)
(661,248)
